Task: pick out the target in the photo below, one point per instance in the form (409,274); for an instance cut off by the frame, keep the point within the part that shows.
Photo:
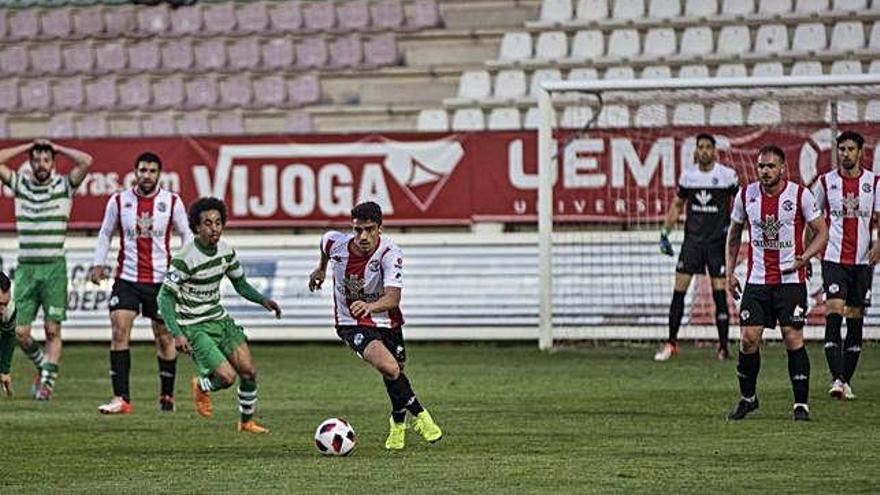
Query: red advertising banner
(433,179)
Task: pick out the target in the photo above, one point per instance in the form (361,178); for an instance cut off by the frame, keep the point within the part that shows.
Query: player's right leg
(241,360)
(121,321)
(52,289)
(755,315)
(27,303)
(791,304)
(215,372)
(836,286)
(676,307)
(716,265)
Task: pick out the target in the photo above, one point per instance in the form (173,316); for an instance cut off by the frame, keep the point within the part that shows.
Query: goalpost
(609,167)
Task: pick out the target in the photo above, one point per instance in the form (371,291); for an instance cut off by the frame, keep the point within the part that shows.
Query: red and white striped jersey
(849,204)
(359,278)
(144,224)
(776,230)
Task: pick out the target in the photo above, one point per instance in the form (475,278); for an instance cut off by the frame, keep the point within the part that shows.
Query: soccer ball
(335,437)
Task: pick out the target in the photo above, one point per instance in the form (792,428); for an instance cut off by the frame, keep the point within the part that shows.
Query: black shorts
(357,339)
(852,283)
(696,259)
(765,305)
(137,297)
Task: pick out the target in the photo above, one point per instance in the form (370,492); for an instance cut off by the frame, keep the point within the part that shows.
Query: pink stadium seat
(57,23)
(201,92)
(244,53)
(14,60)
(120,21)
(278,54)
(68,93)
(154,20)
(8,94)
(135,93)
(426,14)
(24,24)
(269,91)
(60,125)
(311,52)
(144,56)
(159,124)
(168,92)
(194,124)
(387,14)
(252,18)
(319,16)
(285,17)
(210,54)
(36,95)
(111,57)
(186,20)
(353,15)
(219,18)
(88,22)
(381,50)
(4,127)
(101,93)
(236,91)
(92,125)
(177,55)
(227,123)
(304,90)
(298,123)
(45,58)
(346,51)
(4,19)
(78,58)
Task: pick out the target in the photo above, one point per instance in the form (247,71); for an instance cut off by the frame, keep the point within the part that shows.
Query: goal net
(610,157)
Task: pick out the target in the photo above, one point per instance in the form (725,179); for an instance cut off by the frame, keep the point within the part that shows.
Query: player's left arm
(82,161)
(874,253)
(812,215)
(247,291)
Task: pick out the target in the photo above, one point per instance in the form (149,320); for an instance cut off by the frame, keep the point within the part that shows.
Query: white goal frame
(547,148)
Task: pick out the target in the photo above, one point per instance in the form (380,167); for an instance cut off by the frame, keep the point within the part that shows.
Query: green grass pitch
(584,419)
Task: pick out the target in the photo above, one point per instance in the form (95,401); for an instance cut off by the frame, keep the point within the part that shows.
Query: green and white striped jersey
(41,215)
(194,278)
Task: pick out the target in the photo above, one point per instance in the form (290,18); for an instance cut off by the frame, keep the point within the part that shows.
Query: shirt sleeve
(180,221)
(392,267)
(738,214)
(809,206)
(234,270)
(329,239)
(108,226)
(876,195)
(177,274)
(819,194)
(682,190)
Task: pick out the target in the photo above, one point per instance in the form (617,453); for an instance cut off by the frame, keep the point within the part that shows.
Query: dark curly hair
(367,211)
(202,205)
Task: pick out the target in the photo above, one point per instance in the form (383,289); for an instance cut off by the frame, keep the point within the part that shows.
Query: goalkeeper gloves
(665,245)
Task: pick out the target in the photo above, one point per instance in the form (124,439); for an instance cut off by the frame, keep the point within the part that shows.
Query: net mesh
(619,156)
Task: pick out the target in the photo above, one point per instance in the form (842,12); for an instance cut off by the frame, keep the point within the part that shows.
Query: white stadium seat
(809,37)
(433,119)
(771,38)
(516,46)
(874,42)
(697,40)
(764,112)
(738,7)
(613,116)
(540,76)
(504,119)
(474,84)
(872,111)
(732,70)
(664,9)
(657,72)
(726,113)
(575,117)
(619,73)
(532,118)
(510,83)
(693,71)
(700,8)
(852,5)
(588,45)
(874,68)
(583,74)
(628,9)
(689,114)
(810,6)
(846,67)
(774,7)
(624,43)
(556,10)
(848,35)
(468,119)
(660,42)
(768,69)
(806,68)
(734,40)
(551,45)
(591,10)
(847,111)
(651,115)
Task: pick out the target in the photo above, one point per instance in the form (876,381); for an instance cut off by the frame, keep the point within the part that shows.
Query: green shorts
(41,285)
(212,341)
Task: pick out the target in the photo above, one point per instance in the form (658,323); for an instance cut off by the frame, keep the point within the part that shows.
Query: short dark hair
(707,137)
(202,205)
(367,211)
(148,157)
(40,148)
(772,148)
(851,136)
(5,283)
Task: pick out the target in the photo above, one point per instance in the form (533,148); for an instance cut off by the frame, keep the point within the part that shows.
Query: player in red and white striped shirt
(776,212)
(367,281)
(144,217)
(849,198)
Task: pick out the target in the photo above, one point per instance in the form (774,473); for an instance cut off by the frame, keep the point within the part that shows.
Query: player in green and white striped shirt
(42,209)
(190,305)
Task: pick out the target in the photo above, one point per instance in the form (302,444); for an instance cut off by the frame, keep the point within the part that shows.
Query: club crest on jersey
(866,187)
(358,339)
(374,265)
(788,205)
(833,289)
(744,314)
(162,207)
